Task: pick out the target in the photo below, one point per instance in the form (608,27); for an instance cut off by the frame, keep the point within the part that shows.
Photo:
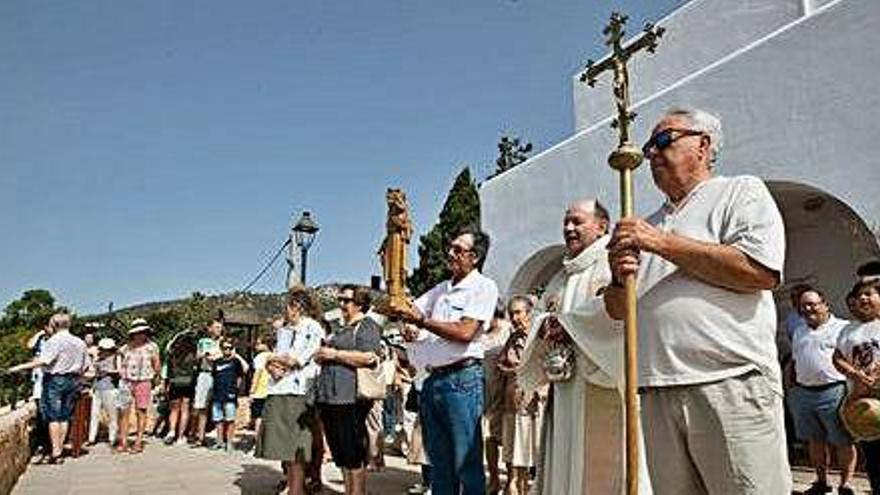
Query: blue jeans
(451,407)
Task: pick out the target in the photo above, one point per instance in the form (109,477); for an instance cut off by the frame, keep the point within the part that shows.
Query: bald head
(585,221)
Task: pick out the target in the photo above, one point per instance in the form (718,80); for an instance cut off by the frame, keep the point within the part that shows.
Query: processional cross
(625,159)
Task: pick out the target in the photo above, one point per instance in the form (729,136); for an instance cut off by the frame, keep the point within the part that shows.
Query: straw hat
(139,325)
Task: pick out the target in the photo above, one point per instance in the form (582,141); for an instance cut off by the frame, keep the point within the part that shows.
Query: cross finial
(616,63)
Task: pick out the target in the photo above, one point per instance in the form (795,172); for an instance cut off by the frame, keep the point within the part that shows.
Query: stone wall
(15,445)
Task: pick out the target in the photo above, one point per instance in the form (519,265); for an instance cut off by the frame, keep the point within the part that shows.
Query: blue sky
(151,149)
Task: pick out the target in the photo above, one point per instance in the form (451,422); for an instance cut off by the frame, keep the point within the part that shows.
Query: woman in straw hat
(140,364)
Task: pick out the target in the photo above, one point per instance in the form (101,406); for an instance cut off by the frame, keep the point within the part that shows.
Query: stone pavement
(162,470)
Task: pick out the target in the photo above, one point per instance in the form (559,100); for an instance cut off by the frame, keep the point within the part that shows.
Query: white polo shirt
(812,349)
(693,332)
(475,297)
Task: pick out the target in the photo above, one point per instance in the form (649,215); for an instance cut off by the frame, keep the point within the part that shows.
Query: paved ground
(162,470)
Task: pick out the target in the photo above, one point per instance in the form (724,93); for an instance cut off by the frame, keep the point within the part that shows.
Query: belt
(456,366)
(819,388)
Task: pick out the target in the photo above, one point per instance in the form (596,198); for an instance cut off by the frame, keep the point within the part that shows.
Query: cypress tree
(462,207)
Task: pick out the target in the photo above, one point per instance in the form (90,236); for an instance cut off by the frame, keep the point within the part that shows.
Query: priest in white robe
(584,433)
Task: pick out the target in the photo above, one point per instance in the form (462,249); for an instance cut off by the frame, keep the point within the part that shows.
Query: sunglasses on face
(342,299)
(664,139)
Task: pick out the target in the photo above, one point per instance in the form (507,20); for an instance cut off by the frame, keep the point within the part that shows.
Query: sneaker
(218,446)
(180,441)
(845,490)
(416,489)
(817,488)
(229,448)
(169,439)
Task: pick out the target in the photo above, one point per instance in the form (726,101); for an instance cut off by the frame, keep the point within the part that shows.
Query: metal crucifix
(625,159)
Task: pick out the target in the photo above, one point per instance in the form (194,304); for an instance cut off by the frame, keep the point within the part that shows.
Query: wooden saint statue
(392,253)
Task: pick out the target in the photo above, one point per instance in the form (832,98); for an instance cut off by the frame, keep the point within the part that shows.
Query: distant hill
(255,305)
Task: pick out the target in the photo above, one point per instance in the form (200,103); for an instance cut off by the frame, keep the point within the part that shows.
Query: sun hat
(139,325)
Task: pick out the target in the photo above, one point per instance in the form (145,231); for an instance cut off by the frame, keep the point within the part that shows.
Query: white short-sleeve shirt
(812,349)
(64,353)
(474,297)
(693,332)
(307,336)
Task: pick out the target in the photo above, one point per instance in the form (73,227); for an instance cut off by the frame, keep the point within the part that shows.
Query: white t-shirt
(812,349)
(475,297)
(307,335)
(859,342)
(693,332)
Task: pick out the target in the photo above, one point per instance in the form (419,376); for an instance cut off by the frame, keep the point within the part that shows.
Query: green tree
(511,152)
(462,207)
(28,311)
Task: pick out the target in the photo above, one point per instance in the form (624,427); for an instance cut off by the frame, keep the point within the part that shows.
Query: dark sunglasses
(665,138)
(342,299)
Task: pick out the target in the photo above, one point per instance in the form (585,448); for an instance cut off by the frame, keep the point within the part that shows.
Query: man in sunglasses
(706,263)
(448,322)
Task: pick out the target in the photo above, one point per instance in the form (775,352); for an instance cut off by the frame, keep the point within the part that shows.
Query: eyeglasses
(456,249)
(343,299)
(664,139)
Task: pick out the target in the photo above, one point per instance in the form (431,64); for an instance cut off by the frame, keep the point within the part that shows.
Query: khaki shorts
(725,437)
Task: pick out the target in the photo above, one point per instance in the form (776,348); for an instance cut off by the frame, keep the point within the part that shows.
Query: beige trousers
(720,438)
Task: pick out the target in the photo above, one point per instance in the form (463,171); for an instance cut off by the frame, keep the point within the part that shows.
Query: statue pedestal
(393,306)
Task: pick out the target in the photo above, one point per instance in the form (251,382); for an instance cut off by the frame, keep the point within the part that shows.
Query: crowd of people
(462,382)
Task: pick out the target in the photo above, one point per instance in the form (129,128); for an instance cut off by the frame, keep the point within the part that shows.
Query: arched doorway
(825,242)
(533,275)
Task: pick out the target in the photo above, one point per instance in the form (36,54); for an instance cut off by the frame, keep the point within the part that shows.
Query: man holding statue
(444,326)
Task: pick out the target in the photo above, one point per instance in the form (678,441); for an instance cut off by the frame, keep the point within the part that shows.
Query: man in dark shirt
(227,372)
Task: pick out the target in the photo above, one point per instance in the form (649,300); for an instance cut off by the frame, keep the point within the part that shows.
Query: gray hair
(520,298)
(703,121)
(60,321)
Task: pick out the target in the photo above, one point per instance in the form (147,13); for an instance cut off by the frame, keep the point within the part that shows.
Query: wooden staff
(624,160)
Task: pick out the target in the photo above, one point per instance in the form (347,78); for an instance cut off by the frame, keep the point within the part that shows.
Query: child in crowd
(228,372)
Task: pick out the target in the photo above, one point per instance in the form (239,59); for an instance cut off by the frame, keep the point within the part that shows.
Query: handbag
(371,381)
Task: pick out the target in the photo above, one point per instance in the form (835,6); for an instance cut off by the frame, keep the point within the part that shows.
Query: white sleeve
(425,302)
(754,224)
(482,302)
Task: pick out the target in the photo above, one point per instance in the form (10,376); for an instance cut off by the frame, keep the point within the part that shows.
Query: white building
(797,86)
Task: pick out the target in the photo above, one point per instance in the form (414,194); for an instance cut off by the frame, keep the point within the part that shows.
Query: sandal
(136,449)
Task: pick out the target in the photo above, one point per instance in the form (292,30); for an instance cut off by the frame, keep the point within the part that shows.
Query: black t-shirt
(337,383)
(226,374)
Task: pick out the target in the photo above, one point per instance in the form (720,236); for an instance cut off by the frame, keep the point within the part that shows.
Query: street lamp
(304,233)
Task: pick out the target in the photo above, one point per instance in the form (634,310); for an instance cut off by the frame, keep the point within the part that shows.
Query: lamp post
(304,233)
